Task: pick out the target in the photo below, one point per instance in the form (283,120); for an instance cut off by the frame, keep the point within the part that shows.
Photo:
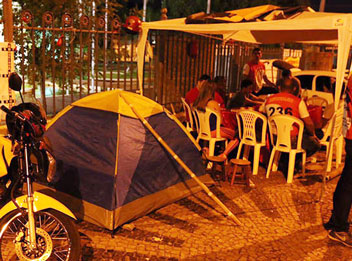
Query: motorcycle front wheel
(56,237)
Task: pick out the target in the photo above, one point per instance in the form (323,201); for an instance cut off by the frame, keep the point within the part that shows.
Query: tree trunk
(8,20)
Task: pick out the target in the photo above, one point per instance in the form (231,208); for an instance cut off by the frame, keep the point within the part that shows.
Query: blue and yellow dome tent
(110,167)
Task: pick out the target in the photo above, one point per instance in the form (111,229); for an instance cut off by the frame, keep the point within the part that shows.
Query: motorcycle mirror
(15,82)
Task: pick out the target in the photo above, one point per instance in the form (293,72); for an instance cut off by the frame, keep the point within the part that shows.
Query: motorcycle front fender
(40,202)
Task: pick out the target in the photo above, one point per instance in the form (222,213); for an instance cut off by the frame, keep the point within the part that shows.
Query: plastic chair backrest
(318,101)
(188,110)
(337,127)
(204,123)
(281,126)
(246,122)
(196,120)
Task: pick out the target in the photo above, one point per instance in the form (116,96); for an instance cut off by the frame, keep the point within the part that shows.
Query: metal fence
(181,58)
(63,62)
(65,59)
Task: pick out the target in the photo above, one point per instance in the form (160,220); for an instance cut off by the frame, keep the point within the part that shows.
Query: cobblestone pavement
(280,222)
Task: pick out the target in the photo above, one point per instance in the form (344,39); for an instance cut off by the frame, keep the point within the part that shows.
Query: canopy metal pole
(322,6)
(144,10)
(183,165)
(208,6)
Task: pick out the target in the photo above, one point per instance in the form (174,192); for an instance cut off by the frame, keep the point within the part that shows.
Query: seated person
(206,100)
(220,83)
(286,102)
(287,75)
(242,98)
(326,117)
(265,90)
(192,94)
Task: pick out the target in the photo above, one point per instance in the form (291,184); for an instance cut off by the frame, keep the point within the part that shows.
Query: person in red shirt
(342,200)
(286,102)
(254,70)
(286,74)
(192,95)
(206,100)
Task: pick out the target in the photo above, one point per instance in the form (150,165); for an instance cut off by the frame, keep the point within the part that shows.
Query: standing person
(192,95)
(287,75)
(342,199)
(255,70)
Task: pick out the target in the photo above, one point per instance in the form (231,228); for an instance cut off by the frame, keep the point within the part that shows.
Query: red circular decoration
(101,22)
(26,17)
(67,19)
(48,18)
(116,24)
(84,20)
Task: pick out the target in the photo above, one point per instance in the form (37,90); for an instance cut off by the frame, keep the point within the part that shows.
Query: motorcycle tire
(57,237)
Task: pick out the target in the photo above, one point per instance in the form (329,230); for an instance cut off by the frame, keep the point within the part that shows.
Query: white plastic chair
(337,139)
(246,121)
(188,111)
(281,126)
(195,120)
(205,131)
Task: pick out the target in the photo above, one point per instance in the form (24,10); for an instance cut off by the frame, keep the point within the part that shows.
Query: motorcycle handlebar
(6,110)
(13,113)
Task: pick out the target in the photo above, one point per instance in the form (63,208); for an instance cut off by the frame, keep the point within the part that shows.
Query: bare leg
(230,147)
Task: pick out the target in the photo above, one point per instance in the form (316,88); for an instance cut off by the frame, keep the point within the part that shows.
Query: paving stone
(280,222)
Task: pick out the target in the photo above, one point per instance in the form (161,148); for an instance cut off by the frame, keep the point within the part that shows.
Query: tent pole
(183,165)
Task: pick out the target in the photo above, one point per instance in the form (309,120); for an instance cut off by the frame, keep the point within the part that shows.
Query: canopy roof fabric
(306,26)
(315,27)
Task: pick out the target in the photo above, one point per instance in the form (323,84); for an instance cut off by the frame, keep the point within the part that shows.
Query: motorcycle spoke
(60,231)
(47,222)
(22,222)
(8,235)
(60,252)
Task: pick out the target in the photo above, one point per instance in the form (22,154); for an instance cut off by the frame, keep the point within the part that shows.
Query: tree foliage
(182,8)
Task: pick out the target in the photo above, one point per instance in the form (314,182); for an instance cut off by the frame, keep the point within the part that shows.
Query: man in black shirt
(241,98)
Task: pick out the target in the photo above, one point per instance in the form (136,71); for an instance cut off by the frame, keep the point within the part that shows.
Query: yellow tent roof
(113,101)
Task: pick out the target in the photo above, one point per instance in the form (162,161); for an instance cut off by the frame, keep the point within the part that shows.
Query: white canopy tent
(312,27)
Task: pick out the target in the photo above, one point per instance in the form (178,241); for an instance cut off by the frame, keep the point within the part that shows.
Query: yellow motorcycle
(33,226)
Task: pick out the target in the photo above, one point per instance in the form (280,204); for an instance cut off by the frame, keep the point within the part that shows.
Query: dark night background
(181,8)
(338,6)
